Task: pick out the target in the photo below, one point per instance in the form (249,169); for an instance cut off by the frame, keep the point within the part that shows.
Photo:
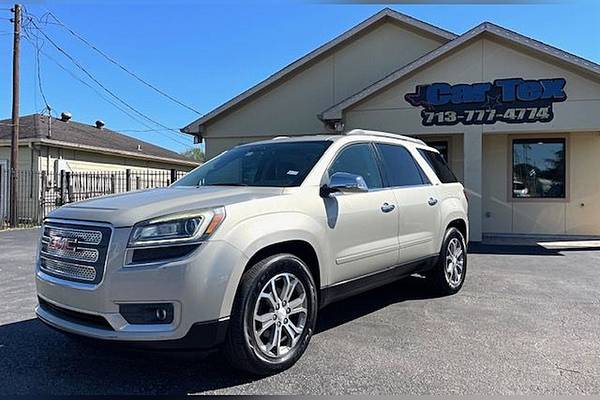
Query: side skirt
(351,287)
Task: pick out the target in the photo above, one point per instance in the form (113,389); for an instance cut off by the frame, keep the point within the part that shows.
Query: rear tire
(448,275)
(273,316)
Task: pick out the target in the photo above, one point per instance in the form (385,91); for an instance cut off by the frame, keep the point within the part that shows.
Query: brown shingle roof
(35,126)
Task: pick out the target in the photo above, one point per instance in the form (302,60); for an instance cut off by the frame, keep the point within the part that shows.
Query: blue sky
(204,53)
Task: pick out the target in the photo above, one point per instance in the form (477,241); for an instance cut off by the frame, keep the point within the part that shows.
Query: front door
(362,227)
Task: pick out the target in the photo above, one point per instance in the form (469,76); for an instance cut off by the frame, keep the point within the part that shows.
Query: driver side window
(358,159)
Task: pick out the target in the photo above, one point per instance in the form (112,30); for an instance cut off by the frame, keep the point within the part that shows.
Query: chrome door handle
(432,201)
(386,207)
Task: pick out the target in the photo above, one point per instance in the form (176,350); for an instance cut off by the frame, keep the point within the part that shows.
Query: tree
(195,153)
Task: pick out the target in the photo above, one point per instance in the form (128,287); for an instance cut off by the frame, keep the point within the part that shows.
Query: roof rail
(280,137)
(385,134)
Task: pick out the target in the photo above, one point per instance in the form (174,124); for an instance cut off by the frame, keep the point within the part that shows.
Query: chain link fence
(38,193)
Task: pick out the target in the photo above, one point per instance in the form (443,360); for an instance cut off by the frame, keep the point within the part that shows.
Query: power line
(77,78)
(121,66)
(39,74)
(89,75)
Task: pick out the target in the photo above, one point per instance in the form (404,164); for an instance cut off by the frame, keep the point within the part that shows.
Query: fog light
(161,314)
(144,314)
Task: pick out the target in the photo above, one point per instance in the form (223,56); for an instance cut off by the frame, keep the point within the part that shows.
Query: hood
(122,210)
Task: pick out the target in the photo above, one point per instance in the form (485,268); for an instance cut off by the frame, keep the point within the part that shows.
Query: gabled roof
(73,134)
(335,111)
(386,13)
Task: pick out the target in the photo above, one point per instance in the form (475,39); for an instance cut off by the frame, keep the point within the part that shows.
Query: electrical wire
(121,66)
(77,78)
(39,75)
(90,76)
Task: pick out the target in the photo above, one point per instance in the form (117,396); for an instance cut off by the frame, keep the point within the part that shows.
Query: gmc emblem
(62,243)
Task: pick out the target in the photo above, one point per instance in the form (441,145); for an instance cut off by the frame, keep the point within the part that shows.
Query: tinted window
(539,168)
(399,166)
(441,146)
(273,164)
(358,159)
(437,163)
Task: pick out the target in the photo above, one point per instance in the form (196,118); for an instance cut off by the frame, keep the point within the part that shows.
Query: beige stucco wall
(481,61)
(27,188)
(291,107)
(24,157)
(579,213)
(81,161)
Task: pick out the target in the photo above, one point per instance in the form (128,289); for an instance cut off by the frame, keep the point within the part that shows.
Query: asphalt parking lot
(526,321)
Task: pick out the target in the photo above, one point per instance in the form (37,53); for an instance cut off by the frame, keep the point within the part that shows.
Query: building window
(538,168)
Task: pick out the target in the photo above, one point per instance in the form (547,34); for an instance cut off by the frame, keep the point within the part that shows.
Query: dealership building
(517,120)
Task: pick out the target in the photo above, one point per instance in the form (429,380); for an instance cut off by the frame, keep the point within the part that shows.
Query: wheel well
(301,249)
(459,224)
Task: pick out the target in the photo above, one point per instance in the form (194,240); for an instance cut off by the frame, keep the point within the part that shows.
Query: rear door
(418,208)
(362,227)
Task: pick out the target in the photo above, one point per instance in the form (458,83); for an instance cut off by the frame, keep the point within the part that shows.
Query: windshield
(282,164)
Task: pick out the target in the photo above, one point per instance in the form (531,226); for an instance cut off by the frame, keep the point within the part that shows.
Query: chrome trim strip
(75,234)
(60,268)
(73,254)
(366,254)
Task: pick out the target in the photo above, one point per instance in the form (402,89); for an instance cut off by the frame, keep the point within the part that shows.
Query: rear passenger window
(400,167)
(437,163)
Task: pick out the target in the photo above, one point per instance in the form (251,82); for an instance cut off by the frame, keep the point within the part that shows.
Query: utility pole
(14,149)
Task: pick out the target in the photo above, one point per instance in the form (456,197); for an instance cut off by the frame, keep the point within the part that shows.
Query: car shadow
(334,315)
(35,359)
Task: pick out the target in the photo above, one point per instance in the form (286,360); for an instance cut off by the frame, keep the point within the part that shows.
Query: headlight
(180,228)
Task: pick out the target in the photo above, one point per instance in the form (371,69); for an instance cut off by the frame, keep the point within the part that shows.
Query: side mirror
(344,182)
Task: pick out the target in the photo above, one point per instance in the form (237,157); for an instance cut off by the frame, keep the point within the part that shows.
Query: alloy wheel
(455,259)
(280,314)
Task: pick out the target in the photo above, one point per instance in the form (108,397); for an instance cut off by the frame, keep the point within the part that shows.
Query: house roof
(73,134)
(581,64)
(387,13)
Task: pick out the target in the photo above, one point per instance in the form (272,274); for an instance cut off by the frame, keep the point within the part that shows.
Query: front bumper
(201,286)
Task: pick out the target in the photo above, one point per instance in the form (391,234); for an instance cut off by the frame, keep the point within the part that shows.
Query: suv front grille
(68,271)
(74,252)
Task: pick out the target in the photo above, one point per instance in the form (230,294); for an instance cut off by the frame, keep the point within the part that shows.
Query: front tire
(273,316)
(448,276)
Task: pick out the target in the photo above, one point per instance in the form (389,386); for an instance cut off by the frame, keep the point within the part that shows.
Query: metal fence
(38,193)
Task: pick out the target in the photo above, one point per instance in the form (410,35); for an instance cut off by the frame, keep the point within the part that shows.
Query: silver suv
(244,250)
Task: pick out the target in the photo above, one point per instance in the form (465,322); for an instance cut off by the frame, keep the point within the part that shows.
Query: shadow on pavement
(35,359)
(336,314)
(526,250)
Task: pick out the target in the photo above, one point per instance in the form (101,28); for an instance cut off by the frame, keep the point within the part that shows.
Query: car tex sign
(513,100)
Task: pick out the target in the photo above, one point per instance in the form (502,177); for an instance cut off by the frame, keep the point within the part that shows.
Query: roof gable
(486,28)
(385,14)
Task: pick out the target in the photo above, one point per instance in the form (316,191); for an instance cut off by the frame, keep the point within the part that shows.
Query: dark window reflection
(539,168)
(441,146)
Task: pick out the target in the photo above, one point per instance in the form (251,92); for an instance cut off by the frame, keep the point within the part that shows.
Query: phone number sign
(513,100)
